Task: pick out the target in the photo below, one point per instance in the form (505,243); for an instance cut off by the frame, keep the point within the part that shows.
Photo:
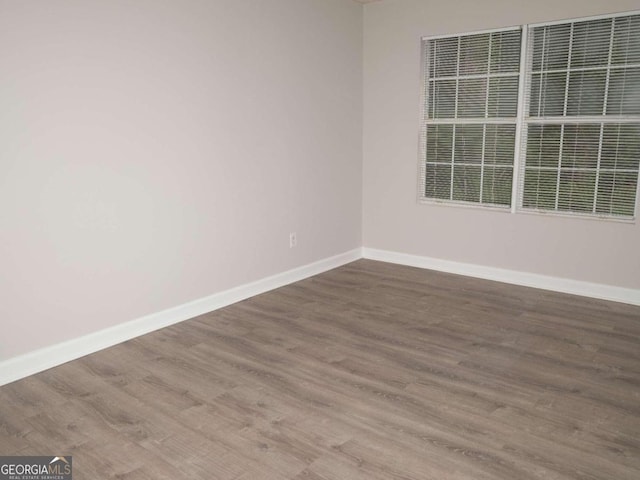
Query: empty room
(320,239)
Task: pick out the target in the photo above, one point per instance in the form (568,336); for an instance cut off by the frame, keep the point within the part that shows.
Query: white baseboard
(33,362)
(575,287)
(24,365)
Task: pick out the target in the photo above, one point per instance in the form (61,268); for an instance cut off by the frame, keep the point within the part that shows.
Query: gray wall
(589,250)
(156,152)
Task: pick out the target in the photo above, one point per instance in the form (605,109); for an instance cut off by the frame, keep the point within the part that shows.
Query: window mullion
(473,120)
(584,119)
(453,156)
(484,141)
(455,113)
(520,126)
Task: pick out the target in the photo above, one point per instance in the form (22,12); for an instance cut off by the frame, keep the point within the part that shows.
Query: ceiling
(366,1)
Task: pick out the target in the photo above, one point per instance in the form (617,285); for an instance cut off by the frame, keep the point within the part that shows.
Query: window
(470,125)
(583,117)
(559,134)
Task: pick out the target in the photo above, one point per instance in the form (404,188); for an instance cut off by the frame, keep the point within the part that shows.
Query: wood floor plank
(369,371)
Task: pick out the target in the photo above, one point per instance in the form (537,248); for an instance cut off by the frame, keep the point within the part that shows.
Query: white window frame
(522,121)
(425,121)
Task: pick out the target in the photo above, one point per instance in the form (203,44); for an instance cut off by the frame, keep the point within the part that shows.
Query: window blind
(469,117)
(581,143)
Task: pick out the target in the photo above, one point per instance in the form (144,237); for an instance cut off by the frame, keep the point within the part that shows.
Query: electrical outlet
(293,240)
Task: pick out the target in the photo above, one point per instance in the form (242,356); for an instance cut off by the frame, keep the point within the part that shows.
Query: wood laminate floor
(370,371)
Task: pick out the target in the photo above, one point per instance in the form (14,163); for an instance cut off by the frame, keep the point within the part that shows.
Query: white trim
(489,75)
(30,363)
(442,202)
(587,69)
(477,32)
(585,119)
(516,180)
(473,121)
(581,216)
(33,362)
(534,280)
(603,16)
(424,115)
